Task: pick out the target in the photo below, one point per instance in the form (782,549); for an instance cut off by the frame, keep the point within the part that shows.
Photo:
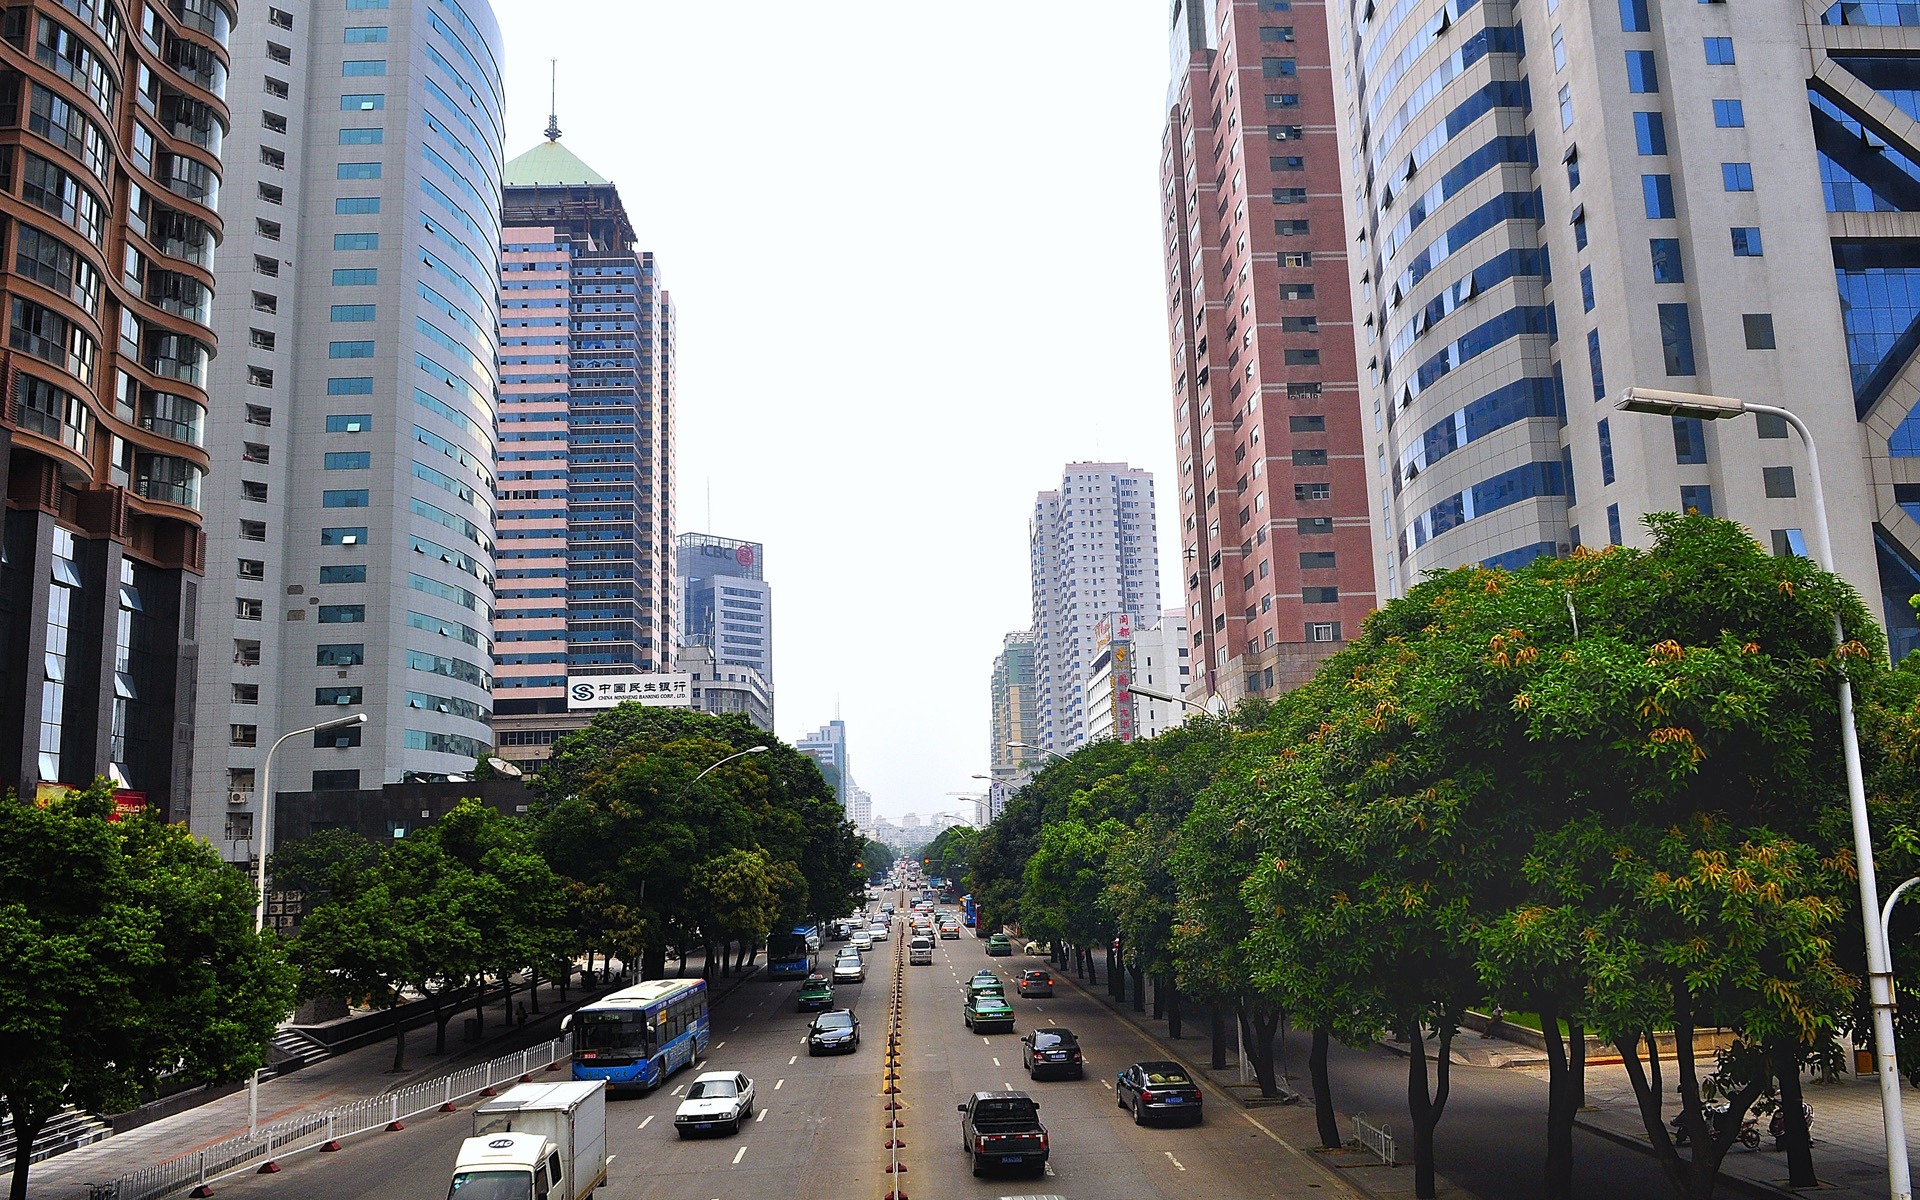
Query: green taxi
(816,994)
(987,1013)
(998,946)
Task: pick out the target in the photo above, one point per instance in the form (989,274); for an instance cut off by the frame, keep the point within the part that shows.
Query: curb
(1728,1180)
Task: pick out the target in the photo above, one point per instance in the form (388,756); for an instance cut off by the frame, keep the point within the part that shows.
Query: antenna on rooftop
(553,110)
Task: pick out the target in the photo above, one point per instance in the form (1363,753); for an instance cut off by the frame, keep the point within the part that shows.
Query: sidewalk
(326,1084)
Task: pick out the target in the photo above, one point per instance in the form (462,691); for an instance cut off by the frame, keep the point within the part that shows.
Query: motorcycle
(1777,1127)
(1716,1114)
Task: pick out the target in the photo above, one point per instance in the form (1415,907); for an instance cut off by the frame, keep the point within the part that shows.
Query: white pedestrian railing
(1377,1138)
(324,1130)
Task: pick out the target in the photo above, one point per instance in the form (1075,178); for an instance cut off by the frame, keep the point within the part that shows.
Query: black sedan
(836,1032)
(1158,1090)
(1052,1052)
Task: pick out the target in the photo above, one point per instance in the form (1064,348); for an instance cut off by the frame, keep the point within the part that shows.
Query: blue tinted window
(344,535)
(349,423)
(1894,76)
(1737,177)
(1642,75)
(1676,338)
(357,34)
(350,349)
(362,137)
(1586,289)
(1573,173)
(347,498)
(1650,132)
(1689,440)
(351,312)
(356,241)
(1606,452)
(360,386)
(1613,524)
(355,276)
(1667,267)
(358,170)
(1656,192)
(1566,107)
(349,206)
(1859,171)
(1729,114)
(343,614)
(1580,232)
(1746,241)
(1879,283)
(364,66)
(372,102)
(1697,498)
(348,460)
(1593,365)
(355,573)
(1633,16)
(1719,51)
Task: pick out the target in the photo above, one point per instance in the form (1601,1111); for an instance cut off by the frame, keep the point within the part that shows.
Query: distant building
(1092,551)
(727,687)
(860,807)
(1015,699)
(1128,657)
(827,747)
(725,600)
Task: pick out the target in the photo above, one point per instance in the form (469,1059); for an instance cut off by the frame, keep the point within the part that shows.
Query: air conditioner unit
(236,797)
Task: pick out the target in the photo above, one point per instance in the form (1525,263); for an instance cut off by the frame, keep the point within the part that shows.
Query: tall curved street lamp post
(1879,962)
(1041,749)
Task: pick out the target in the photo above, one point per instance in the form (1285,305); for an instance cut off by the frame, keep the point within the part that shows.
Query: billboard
(658,690)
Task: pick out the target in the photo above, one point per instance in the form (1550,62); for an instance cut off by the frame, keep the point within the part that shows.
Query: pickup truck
(1003,1129)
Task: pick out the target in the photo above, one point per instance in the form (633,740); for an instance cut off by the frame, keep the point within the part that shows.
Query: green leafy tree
(127,951)
(876,859)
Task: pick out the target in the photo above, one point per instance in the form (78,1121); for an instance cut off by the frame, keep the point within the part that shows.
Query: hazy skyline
(915,257)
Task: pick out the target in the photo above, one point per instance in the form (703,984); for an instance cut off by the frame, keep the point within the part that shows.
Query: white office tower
(350,510)
(1557,200)
(1093,553)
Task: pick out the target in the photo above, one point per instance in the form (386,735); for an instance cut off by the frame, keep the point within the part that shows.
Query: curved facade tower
(112,126)
(351,523)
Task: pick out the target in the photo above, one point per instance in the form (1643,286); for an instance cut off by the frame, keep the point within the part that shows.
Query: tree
(950,852)
(876,859)
(322,865)
(127,951)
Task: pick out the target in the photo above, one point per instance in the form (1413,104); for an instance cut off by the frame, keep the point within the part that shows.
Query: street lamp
(1150,694)
(1879,961)
(260,867)
(1041,749)
(729,758)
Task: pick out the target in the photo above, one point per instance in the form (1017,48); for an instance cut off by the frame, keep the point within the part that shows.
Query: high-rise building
(586,447)
(1276,557)
(827,747)
(1092,547)
(350,519)
(860,807)
(1557,201)
(725,600)
(1014,694)
(111,193)
(1129,657)
(719,687)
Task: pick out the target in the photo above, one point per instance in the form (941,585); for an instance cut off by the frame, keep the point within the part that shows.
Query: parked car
(833,1033)
(1003,1129)
(986,1013)
(1052,1051)
(1035,982)
(718,1101)
(998,946)
(1158,1090)
(815,994)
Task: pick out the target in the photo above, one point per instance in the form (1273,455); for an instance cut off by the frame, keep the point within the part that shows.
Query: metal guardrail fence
(313,1131)
(1377,1138)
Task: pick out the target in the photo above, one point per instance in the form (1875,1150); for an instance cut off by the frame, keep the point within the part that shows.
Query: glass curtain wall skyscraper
(725,600)
(350,511)
(113,128)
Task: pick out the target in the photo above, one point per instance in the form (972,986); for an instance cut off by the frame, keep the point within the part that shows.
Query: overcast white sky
(915,252)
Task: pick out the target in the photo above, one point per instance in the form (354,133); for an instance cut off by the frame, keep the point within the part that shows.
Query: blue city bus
(789,955)
(968,913)
(634,1038)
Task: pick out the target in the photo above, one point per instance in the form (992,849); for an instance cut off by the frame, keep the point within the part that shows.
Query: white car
(717,1101)
(849,970)
(861,940)
(877,931)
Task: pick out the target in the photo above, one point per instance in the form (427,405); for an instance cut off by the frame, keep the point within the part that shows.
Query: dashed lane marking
(1105,1084)
(778,1083)
(1176,1162)
(720,1044)
(738,1155)
(996,1062)
(761,1117)
(792,1059)
(677,1090)
(647,1122)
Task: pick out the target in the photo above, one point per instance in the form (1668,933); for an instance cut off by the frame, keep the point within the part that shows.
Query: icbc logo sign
(743,555)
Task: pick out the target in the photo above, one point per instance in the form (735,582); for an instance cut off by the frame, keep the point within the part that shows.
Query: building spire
(553,112)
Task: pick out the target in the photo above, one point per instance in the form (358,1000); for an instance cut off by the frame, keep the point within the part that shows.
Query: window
(1643,77)
(362,103)
(265,303)
(1559,50)
(347,498)
(1586,289)
(351,573)
(1573,171)
(336,781)
(1315,560)
(1323,631)
(1650,132)
(1580,227)
(1613,524)
(252,568)
(277,88)
(1697,498)
(1689,441)
(340,736)
(1729,114)
(343,614)
(1778,482)
(248,610)
(1287,162)
(355,276)
(259,414)
(1302,358)
(1606,451)
(1719,51)
(1289,195)
(1283,100)
(1676,338)
(1314,424)
(277,159)
(1566,107)
(1292,325)
(243,735)
(358,170)
(1667,267)
(349,423)
(272,194)
(363,34)
(1309,458)
(1319,595)
(356,241)
(342,535)
(1633,16)
(1746,241)
(359,4)
(281,18)
(351,312)
(340,654)
(253,531)
(1788,543)
(349,349)
(1290,228)
(260,377)
(1759,330)
(1737,176)
(1278,68)
(337,695)
(1769,426)
(1313,491)
(1593,366)
(1656,193)
(363,66)
(362,137)
(348,460)
(356,206)
(269,230)
(357,386)
(1313,525)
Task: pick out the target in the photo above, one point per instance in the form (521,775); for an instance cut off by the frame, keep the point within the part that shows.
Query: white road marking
(717,1045)
(1174,1161)
(735,1029)
(610,1158)
(792,1059)
(647,1122)
(985,1042)
(677,1090)
(777,1084)
(1050,1169)
(761,1117)
(742,1153)
(1106,1085)
(996,1062)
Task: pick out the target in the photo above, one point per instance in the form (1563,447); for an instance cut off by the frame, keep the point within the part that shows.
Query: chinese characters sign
(605,691)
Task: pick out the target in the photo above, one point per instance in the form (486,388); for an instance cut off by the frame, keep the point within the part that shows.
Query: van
(920,952)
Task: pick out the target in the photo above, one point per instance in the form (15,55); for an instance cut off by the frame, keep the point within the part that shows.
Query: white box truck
(536,1141)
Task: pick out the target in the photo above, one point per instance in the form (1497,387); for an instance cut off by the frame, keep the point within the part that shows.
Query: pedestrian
(521,1017)
(1494,1021)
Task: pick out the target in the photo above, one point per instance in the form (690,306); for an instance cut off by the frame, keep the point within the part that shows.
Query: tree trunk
(1219,1030)
(1323,1114)
(399,1042)
(506,998)
(1140,991)
(1799,1142)
(1173,1007)
(1425,1108)
(1257,1027)
(442,1017)
(479,1002)
(1558,1184)
(1577,1058)
(533,990)
(25,1132)
(663,962)
(706,963)
(587,980)
(1159,996)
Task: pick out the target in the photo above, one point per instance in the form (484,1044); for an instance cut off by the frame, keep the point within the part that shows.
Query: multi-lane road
(819,1129)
